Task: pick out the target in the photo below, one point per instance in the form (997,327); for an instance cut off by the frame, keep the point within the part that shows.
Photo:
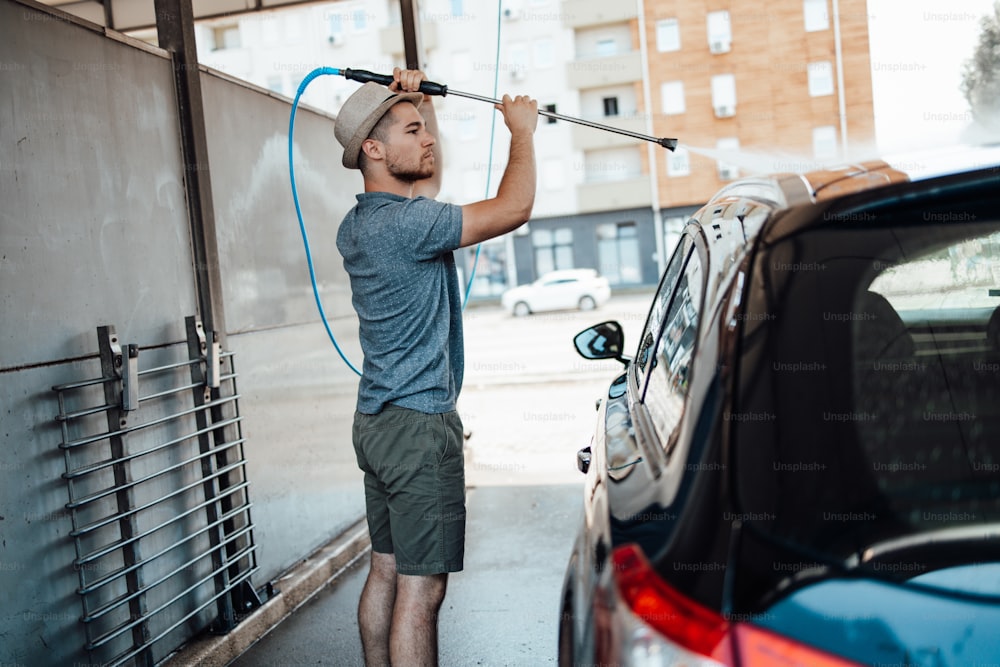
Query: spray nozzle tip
(669,144)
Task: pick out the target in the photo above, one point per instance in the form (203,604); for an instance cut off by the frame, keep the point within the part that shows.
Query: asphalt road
(529,403)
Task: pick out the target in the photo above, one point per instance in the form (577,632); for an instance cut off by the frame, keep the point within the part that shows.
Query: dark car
(800,465)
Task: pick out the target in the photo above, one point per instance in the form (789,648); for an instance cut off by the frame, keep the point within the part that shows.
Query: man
(397,244)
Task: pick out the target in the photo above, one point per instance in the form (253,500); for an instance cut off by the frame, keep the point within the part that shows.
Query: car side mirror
(601,341)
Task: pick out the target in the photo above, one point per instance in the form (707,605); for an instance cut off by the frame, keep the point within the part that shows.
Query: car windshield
(869,400)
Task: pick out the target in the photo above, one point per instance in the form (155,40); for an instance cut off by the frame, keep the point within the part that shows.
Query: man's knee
(425,591)
(383,566)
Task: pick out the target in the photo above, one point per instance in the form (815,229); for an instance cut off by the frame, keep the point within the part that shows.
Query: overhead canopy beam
(126,15)
(412,47)
(175,31)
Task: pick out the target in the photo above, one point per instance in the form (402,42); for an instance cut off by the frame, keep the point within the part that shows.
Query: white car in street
(584,289)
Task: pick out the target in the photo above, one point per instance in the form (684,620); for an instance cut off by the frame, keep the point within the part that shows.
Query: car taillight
(692,627)
(680,619)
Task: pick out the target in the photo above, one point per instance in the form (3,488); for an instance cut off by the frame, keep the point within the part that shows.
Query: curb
(295,587)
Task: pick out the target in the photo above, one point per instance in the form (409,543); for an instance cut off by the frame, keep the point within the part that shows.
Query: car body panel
(884,623)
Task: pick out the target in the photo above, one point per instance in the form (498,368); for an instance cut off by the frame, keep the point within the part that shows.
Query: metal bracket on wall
(130,378)
(123,363)
(211,354)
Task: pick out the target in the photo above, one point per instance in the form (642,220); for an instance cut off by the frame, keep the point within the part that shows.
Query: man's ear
(373,149)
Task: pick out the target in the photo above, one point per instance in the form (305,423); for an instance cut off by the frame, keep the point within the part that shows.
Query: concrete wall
(94,230)
(299,396)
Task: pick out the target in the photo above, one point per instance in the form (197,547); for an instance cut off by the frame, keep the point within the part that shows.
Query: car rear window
(869,399)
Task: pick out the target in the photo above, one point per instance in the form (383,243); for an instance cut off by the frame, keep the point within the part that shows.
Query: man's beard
(409,174)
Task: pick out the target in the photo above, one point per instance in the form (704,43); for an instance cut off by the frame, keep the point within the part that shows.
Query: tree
(981,74)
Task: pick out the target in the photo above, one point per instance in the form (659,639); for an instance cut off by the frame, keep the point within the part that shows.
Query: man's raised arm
(516,193)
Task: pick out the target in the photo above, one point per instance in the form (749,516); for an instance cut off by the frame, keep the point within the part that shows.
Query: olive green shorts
(414,487)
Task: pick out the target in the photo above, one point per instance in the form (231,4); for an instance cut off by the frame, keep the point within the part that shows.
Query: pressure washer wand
(431,88)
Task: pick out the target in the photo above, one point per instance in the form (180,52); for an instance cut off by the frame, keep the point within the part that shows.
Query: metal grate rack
(158,497)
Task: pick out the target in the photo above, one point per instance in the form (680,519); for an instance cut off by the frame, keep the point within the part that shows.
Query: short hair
(380,132)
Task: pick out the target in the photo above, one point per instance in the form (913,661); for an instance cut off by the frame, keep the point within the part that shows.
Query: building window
(269,29)
(553,249)
(618,253)
(360,21)
(473,185)
(544,53)
(606,47)
(672,96)
(491,270)
(553,174)
(720,34)
(551,108)
(467,126)
(825,143)
(226,37)
(673,229)
(462,67)
(668,35)
(820,78)
(518,60)
(456,7)
(292,28)
(724,95)
(335,27)
(276,84)
(679,162)
(816,15)
(610,106)
(727,170)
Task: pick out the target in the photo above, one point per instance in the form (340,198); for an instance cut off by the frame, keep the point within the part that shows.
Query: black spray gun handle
(431,88)
(364,76)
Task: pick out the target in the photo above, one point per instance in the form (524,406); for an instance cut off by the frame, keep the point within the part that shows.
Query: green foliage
(981,74)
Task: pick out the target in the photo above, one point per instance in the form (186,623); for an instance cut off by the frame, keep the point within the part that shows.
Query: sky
(918,48)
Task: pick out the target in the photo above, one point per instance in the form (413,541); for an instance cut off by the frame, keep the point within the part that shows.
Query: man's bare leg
(375,609)
(413,641)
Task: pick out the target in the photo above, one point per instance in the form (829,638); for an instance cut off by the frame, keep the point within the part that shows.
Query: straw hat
(361,112)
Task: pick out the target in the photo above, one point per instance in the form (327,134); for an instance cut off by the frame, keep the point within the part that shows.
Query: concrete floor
(502,610)
(528,401)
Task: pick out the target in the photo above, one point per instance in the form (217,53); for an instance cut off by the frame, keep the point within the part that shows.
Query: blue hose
(319,71)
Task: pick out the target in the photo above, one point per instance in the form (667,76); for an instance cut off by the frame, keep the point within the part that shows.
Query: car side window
(658,310)
(670,372)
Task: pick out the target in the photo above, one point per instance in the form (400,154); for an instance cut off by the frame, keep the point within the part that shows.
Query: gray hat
(361,112)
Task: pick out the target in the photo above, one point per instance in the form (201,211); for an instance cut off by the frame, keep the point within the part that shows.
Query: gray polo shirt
(398,253)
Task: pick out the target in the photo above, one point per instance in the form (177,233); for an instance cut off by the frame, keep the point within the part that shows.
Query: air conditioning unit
(729,173)
(517,74)
(719,46)
(511,14)
(335,40)
(725,112)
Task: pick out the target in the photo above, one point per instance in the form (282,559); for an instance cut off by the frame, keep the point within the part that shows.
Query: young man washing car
(397,244)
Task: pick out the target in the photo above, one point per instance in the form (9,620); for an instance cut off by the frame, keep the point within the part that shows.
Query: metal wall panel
(266,280)
(298,403)
(298,396)
(94,228)
(39,607)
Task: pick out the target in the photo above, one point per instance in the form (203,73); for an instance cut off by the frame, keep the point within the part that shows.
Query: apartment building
(745,87)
